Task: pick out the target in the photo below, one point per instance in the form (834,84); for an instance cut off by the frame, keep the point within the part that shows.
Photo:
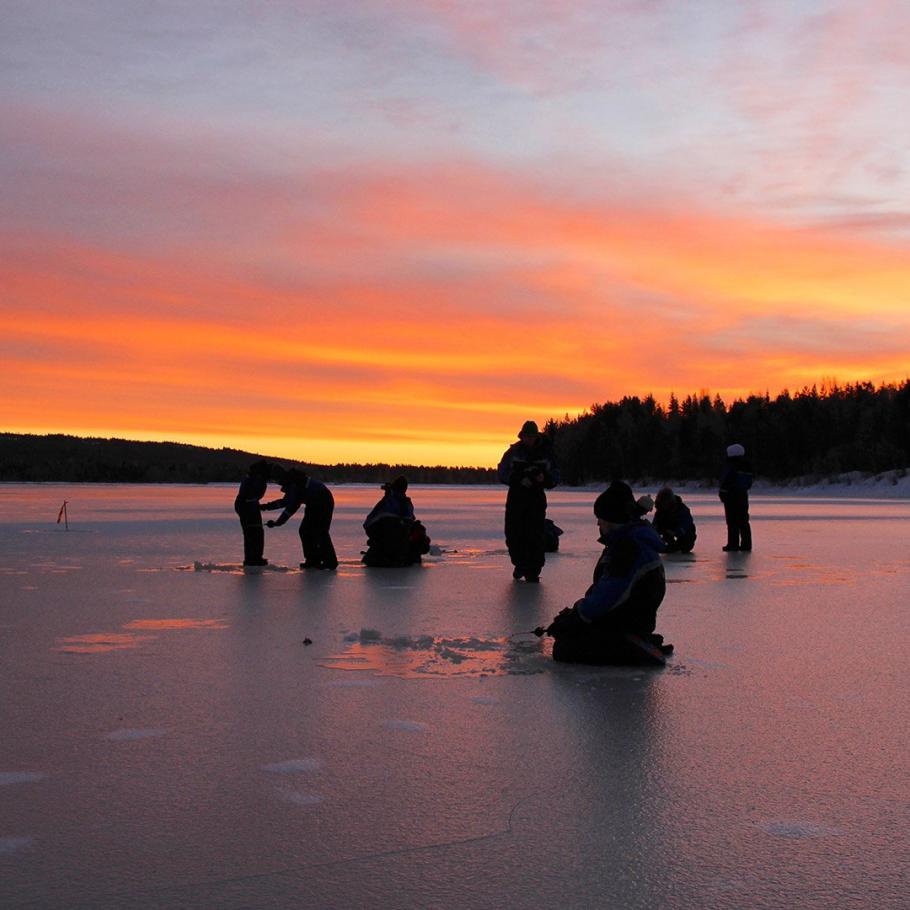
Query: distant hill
(27,457)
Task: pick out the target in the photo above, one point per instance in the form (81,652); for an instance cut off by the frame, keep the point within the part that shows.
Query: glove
(562,623)
(270,523)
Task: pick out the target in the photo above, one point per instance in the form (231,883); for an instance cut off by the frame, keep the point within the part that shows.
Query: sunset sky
(393,231)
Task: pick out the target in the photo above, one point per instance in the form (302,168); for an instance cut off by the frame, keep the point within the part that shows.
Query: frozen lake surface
(169,741)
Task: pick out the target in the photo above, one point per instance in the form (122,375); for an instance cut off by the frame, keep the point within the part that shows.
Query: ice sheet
(168,740)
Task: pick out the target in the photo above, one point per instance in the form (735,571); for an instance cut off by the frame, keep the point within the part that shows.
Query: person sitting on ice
(301,489)
(673,522)
(614,622)
(551,534)
(395,537)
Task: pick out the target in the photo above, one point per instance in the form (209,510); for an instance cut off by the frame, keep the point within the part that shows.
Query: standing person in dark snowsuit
(529,468)
(246,505)
(735,483)
(614,622)
(298,489)
(673,522)
(394,536)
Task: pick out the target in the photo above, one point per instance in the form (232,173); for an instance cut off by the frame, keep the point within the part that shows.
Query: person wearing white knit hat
(734,494)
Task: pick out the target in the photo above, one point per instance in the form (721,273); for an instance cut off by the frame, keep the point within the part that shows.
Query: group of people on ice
(394,536)
(613,623)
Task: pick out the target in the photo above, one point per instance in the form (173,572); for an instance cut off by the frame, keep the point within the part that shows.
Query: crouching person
(395,538)
(614,622)
(673,522)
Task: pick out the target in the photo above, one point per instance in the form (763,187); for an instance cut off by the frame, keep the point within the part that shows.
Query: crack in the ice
(305,867)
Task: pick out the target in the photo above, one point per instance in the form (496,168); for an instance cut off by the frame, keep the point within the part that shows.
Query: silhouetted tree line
(25,457)
(832,430)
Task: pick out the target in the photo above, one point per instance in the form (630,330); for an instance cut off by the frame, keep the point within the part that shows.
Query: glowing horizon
(266,232)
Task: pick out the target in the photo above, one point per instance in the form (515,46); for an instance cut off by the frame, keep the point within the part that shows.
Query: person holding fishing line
(614,622)
(319,504)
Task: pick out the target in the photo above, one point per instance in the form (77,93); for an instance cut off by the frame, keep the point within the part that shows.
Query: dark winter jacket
(252,488)
(736,479)
(674,524)
(393,505)
(535,463)
(629,581)
(297,492)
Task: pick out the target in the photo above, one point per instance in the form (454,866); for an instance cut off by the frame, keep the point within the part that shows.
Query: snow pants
(526,511)
(251,525)
(736,513)
(318,549)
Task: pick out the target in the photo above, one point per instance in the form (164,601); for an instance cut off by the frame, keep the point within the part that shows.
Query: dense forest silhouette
(816,432)
(27,457)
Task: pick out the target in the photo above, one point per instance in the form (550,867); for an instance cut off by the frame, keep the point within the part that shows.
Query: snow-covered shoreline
(894,484)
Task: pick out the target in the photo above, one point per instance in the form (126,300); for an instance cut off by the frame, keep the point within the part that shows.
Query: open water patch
(100,642)
(175,625)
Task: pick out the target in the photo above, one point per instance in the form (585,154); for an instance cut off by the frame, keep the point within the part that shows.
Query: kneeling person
(614,622)
(395,538)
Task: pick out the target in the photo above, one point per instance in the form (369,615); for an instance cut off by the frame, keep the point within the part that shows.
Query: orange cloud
(422,317)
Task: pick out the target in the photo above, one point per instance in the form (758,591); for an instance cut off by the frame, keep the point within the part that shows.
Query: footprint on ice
(796,830)
(301,799)
(19,777)
(407,726)
(132,734)
(12,844)
(292,766)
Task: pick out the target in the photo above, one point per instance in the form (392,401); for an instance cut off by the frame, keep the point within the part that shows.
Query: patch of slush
(128,734)
(235,567)
(12,844)
(406,726)
(426,655)
(796,829)
(20,777)
(292,766)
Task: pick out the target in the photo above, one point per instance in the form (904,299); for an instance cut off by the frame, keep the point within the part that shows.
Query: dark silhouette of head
(529,432)
(616,504)
(260,468)
(665,498)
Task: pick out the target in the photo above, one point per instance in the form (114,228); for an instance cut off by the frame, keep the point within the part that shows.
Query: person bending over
(301,489)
